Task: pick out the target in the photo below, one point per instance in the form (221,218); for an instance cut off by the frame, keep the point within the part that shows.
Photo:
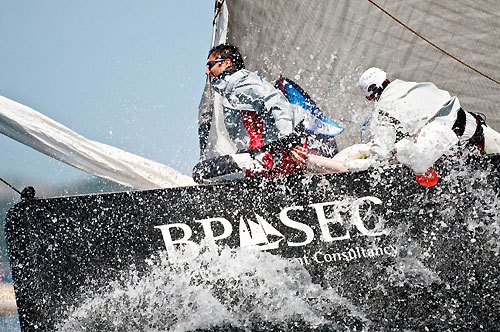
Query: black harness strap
(478,138)
(459,125)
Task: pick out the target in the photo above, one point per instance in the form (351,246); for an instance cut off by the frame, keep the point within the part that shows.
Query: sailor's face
(216,66)
(371,89)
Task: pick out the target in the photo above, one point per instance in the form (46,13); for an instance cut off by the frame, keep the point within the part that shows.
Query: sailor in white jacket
(417,123)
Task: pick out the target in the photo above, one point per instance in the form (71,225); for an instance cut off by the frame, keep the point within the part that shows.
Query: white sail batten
(43,134)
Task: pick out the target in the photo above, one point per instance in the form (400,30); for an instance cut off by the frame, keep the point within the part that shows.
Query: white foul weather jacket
(246,91)
(415,121)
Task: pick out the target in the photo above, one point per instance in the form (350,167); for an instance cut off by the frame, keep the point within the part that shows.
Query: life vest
(278,163)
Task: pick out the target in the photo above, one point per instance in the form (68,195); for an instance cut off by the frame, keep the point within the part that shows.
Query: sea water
(223,289)
(10,323)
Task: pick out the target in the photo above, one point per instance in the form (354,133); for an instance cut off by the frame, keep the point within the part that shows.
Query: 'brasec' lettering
(262,235)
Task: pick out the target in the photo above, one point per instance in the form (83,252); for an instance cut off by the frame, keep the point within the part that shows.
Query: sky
(125,73)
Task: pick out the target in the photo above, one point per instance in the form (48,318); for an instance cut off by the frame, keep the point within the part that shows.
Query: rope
(11,186)
(432,44)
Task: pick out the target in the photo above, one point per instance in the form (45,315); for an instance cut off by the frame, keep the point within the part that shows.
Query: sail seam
(434,45)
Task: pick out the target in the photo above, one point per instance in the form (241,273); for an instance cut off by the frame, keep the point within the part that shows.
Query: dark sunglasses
(212,63)
(373,89)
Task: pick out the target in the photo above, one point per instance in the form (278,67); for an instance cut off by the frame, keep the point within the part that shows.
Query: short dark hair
(228,51)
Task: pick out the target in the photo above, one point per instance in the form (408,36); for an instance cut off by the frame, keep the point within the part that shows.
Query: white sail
(43,134)
(214,138)
(324,46)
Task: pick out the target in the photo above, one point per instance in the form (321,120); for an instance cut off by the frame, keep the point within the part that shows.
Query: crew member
(417,123)
(256,115)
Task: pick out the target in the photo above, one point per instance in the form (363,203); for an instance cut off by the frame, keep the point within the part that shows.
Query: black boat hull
(405,255)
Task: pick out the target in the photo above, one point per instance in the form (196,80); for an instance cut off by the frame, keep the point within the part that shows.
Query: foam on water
(236,289)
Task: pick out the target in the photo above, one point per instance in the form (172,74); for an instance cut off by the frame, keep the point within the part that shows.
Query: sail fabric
(324,46)
(214,137)
(41,133)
